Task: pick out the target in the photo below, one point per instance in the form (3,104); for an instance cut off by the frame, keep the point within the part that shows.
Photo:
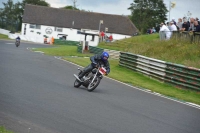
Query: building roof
(65,18)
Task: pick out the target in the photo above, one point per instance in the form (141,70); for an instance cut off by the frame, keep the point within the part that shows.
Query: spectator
(172,26)
(173,20)
(102,36)
(45,40)
(197,26)
(110,38)
(185,26)
(179,24)
(165,30)
(149,31)
(198,20)
(153,30)
(168,25)
(52,40)
(191,28)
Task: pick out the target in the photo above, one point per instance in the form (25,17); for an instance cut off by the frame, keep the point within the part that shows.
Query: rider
(18,39)
(97,59)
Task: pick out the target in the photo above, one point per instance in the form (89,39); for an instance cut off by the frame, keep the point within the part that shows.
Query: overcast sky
(119,7)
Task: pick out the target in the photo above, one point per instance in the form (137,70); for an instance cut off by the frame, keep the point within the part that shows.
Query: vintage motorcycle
(17,43)
(91,79)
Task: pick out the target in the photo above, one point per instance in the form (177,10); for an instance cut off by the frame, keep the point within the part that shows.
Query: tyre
(17,44)
(77,83)
(94,84)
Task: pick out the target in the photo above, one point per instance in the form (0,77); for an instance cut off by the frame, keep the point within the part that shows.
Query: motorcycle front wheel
(77,83)
(93,84)
(17,44)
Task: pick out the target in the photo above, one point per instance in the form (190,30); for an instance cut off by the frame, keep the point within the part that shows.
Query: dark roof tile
(82,20)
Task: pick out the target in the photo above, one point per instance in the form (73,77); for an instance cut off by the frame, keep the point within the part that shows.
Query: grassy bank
(129,76)
(3,36)
(174,51)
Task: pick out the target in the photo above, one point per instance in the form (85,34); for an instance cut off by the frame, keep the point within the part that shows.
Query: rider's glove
(106,73)
(94,64)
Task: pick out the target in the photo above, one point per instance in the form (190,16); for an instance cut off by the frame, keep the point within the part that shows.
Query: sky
(119,7)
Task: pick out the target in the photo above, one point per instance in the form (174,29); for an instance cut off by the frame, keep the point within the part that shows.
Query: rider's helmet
(104,56)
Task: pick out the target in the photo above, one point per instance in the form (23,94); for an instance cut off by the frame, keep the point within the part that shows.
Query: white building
(40,21)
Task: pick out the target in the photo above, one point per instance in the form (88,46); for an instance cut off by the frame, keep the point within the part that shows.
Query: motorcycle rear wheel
(94,84)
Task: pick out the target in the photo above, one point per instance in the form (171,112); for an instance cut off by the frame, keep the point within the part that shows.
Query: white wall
(72,34)
(4,32)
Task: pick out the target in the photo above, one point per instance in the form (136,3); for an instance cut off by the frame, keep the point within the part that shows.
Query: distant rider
(18,39)
(97,59)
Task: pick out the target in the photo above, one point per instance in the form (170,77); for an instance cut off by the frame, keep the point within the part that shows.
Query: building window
(32,26)
(38,26)
(35,26)
(58,29)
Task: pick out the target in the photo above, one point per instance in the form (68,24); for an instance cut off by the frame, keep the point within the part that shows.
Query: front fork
(95,75)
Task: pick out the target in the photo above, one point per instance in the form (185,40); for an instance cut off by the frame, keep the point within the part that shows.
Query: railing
(192,37)
(178,75)
(95,50)
(65,42)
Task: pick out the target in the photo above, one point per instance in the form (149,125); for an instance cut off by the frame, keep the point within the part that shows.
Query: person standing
(191,28)
(165,30)
(197,26)
(172,26)
(179,24)
(185,26)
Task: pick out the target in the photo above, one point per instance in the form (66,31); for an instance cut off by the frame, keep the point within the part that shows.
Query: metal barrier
(95,50)
(65,42)
(178,75)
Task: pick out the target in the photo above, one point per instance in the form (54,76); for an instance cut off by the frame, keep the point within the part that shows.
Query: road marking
(144,90)
(10,43)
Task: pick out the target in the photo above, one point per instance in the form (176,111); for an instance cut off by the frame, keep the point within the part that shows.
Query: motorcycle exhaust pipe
(77,78)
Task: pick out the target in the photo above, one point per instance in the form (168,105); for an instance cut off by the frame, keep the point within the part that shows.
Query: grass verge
(3,130)
(126,75)
(62,50)
(3,36)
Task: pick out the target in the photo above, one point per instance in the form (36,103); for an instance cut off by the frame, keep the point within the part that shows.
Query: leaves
(11,13)
(147,13)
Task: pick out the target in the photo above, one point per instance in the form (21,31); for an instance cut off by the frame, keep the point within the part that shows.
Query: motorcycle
(91,79)
(17,43)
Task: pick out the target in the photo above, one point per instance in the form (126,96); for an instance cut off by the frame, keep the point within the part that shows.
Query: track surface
(37,96)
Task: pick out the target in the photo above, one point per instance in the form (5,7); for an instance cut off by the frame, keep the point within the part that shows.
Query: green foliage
(3,36)
(147,13)
(70,8)
(62,50)
(11,13)
(35,2)
(9,16)
(3,130)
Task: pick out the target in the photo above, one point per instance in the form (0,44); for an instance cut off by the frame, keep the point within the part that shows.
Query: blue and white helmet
(104,54)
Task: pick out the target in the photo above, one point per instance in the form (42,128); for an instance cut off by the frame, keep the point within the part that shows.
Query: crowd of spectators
(183,24)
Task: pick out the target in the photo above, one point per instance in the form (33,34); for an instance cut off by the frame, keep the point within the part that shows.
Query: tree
(146,14)
(11,14)
(35,2)
(70,8)
(9,19)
